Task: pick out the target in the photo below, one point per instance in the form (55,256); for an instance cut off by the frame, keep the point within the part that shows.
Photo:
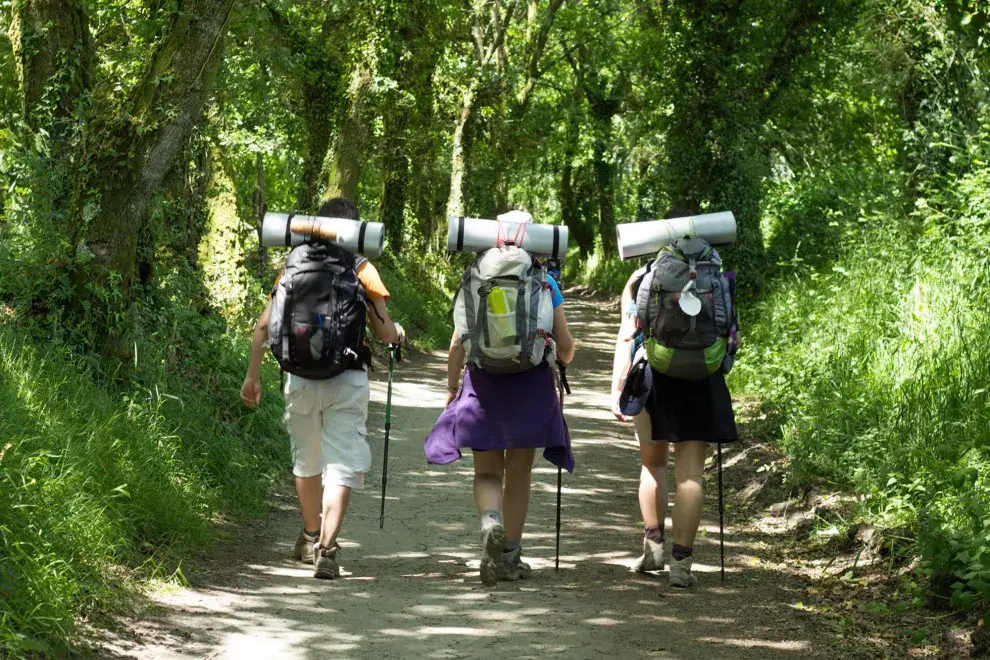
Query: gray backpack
(684,308)
(503,312)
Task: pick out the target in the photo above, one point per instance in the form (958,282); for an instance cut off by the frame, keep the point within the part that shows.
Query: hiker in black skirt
(667,412)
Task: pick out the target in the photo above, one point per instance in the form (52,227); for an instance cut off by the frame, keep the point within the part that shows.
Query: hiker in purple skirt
(685,415)
(503,417)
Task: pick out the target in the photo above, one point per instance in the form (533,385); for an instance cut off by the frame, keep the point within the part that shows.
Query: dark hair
(339,207)
(679,212)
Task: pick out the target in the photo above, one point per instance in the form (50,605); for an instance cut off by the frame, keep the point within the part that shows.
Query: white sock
(490,517)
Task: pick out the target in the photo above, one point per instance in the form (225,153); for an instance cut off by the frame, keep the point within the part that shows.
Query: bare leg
(310,490)
(653,476)
(689,465)
(336,499)
(518,478)
(489,467)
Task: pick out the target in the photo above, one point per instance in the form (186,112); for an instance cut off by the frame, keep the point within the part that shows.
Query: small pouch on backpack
(501,318)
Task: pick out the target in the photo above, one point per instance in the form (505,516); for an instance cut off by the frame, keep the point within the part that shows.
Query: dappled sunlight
(412,589)
(758,643)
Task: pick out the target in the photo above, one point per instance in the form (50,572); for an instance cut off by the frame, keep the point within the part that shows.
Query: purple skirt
(502,411)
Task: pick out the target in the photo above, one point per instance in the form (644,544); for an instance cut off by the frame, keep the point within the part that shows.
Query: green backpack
(684,309)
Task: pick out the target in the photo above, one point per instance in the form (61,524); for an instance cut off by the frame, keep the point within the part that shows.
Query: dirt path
(412,590)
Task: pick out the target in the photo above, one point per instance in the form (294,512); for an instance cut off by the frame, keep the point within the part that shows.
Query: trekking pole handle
(396,351)
(562,368)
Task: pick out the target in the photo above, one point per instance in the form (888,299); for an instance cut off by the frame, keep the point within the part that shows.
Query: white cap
(518,217)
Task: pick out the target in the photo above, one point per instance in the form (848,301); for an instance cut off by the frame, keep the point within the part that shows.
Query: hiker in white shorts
(325,416)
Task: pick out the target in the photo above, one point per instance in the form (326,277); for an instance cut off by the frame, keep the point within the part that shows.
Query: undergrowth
(877,361)
(107,478)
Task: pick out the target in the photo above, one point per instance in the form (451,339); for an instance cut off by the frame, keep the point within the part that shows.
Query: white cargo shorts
(327,422)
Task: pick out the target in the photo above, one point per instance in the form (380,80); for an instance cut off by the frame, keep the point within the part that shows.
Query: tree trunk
(514,106)
(458,154)
(52,47)
(317,119)
(345,172)
(168,102)
(605,192)
(570,203)
(395,178)
(185,188)
(414,61)
(426,178)
(259,206)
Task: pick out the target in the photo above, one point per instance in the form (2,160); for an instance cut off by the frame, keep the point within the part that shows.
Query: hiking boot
(492,540)
(326,562)
(511,566)
(652,557)
(680,573)
(304,547)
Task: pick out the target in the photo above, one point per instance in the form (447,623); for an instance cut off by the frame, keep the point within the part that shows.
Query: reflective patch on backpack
(686,364)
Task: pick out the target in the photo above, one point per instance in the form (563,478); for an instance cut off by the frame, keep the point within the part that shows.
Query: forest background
(141,143)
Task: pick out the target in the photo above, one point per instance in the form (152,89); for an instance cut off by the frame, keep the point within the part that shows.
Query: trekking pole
(721,508)
(556,561)
(394,353)
(563,387)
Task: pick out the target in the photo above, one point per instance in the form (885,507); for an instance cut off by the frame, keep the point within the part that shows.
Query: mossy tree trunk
(128,148)
(352,134)
(415,56)
(52,50)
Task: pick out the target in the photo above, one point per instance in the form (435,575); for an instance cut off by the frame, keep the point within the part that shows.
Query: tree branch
(499,36)
(477,34)
(533,72)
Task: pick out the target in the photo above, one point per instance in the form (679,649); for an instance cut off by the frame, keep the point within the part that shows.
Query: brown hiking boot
(492,540)
(304,547)
(326,562)
(512,568)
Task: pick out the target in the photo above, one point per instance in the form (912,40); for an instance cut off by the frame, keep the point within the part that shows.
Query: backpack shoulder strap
(643,297)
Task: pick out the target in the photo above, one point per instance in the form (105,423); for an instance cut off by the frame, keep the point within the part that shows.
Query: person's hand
(451,395)
(401,332)
(251,392)
(615,407)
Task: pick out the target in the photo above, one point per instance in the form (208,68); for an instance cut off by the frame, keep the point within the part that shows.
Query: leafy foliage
(851,139)
(872,345)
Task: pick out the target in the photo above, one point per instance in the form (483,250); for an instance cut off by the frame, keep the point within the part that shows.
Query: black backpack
(317,322)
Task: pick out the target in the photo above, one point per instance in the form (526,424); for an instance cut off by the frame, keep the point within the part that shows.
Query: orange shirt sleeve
(271,294)
(372,281)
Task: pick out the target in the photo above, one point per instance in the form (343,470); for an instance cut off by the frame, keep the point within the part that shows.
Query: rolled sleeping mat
(476,234)
(640,239)
(286,229)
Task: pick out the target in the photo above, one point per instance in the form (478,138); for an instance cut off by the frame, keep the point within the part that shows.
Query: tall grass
(95,483)
(878,364)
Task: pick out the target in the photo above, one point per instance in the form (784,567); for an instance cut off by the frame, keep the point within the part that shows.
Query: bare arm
(251,389)
(455,365)
(562,335)
(382,326)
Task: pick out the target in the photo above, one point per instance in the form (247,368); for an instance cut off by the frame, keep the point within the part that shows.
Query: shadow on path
(412,589)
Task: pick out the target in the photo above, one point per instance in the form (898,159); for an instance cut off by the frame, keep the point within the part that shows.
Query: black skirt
(682,410)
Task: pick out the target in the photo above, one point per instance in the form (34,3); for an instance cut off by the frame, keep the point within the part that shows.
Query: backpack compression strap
(643,298)
(525,319)
(471,341)
(482,319)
